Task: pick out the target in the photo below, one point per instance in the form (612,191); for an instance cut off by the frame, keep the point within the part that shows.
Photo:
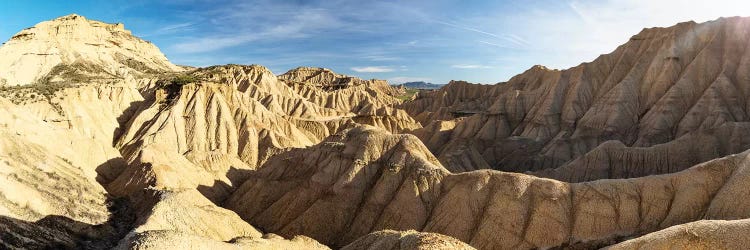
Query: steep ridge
(708,234)
(229,121)
(372,101)
(185,219)
(80,74)
(74,48)
(663,84)
(327,80)
(54,197)
(57,156)
(295,154)
(407,240)
(365,179)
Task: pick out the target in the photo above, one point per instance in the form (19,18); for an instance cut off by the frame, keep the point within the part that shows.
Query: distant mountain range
(421,85)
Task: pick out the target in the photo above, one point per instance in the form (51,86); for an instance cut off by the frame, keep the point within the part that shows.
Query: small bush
(184,79)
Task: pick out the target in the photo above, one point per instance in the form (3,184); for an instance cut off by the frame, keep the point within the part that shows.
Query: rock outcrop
(662,85)
(407,240)
(109,145)
(72,48)
(50,196)
(705,234)
(230,121)
(365,180)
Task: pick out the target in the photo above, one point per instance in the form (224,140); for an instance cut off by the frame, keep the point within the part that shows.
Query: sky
(434,41)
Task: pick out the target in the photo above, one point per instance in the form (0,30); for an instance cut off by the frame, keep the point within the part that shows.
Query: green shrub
(184,79)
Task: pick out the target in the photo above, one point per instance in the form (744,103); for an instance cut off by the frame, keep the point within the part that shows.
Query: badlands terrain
(105,144)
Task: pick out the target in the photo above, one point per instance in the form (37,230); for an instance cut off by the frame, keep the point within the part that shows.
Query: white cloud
(403,79)
(379,58)
(470,66)
(372,69)
(589,28)
(515,40)
(238,25)
(495,44)
(211,44)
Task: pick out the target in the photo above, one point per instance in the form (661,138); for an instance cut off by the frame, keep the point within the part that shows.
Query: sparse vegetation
(23,93)
(408,94)
(45,89)
(173,83)
(184,79)
(135,64)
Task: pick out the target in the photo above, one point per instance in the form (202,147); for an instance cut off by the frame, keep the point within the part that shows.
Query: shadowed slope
(365,180)
(664,83)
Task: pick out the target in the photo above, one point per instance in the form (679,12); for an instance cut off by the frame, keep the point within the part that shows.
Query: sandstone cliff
(75,49)
(365,180)
(101,152)
(50,195)
(662,85)
(230,120)
(408,240)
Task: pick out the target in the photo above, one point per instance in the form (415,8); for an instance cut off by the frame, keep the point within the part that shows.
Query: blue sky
(435,41)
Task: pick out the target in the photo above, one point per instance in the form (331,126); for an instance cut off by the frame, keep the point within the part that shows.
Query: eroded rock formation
(664,85)
(125,150)
(407,240)
(74,48)
(366,180)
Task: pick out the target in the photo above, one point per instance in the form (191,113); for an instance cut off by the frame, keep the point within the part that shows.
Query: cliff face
(129,156)
(51,194)
(234,118)
(365,180)
(663,84)
(66,46)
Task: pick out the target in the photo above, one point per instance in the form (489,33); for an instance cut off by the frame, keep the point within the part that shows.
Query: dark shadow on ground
(60,232)
(124,119)
(219,191)
(110,170)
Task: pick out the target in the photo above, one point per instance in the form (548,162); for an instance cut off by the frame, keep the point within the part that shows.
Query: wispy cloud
(467,28)
(495,44)
(574,6)
(403,79)
(511,38)
(210,44)
(177,26)
(372,69)
(171,29)
(508,37)
(235,28)
(380,58)
(470,66)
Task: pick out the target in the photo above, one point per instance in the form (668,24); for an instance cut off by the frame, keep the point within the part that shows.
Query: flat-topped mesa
(73,48)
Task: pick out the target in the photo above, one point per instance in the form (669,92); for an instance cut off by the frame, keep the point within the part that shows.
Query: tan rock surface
(213,131)
(663,84)
(407,240)
(705,234)
(366,180)
(171,240)
(105,50)
(49,194)
(201,157)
